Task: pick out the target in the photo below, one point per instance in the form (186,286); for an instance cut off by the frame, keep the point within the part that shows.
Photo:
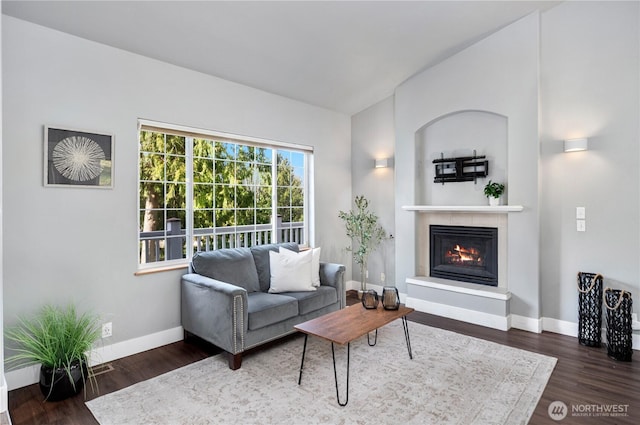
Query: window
(200,191)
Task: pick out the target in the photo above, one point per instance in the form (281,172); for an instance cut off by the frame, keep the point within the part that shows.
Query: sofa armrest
(332,274)
(215,311)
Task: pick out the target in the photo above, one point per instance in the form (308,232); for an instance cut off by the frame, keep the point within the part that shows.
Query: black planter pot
(56,384)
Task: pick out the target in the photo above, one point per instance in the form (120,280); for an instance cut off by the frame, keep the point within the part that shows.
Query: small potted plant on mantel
(494,191)
(363,229)
(58,338)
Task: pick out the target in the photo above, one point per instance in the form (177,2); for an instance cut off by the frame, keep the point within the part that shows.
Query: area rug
(452,379)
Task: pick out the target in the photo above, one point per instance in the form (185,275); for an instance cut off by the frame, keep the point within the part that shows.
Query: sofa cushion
(230,265)
(312,301)
(261,258)
(266,309)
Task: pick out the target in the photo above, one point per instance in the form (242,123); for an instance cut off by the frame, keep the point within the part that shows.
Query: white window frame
(191,133)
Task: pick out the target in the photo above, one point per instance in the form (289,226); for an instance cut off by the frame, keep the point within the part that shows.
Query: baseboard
(5,419)
(4,402)
(22,377)
(462,314)
(352,285)
(355,285)
(571,329)
(30,375)
(526,323)
(560,326)
(122,349)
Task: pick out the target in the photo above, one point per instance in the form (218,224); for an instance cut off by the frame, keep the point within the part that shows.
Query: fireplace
(463,253)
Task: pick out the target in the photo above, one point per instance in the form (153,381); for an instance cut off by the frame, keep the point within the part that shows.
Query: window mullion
(165,208)
(189,231)
(305,202)
(274,196)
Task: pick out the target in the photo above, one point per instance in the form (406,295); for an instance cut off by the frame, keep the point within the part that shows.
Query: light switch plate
(581,213)
(581,225)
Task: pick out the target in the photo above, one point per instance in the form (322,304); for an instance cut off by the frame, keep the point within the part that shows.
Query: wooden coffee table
(343,326)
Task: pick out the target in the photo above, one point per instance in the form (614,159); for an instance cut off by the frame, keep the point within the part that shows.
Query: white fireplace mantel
(499,209)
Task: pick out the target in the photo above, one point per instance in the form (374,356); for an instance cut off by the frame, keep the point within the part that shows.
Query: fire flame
(460,254)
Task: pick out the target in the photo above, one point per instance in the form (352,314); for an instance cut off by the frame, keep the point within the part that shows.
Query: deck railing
(171,245)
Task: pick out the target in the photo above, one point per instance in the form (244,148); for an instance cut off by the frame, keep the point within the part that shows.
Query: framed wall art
(76,158)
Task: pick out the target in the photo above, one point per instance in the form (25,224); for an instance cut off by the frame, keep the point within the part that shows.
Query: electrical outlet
(382,277)
(581,225)
(107,330)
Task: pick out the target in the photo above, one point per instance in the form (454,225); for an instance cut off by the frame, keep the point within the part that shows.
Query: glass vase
(363,278)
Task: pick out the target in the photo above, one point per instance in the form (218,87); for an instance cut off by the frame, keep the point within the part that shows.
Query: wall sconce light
(576,145)
(382,163)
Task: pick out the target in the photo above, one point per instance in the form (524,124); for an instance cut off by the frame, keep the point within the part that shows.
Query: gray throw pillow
(261,259)
(230,265)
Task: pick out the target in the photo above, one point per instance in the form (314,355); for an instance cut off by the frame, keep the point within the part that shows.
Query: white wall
(81,244)
(590,88)
(373,137)
(499,75)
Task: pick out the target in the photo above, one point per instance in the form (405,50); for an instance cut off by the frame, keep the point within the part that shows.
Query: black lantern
(370,299)
(390,298)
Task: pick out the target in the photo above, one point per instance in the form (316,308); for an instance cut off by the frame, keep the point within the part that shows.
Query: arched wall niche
(458,134)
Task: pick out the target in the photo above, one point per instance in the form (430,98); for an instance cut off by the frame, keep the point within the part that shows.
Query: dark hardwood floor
(584,378)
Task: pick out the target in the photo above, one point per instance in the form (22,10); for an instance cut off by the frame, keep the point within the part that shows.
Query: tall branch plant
(365,232)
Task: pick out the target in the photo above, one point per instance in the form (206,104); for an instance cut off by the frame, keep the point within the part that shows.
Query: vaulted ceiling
(341,55)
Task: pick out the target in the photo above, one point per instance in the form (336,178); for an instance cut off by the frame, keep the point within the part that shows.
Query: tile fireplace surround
(470,302)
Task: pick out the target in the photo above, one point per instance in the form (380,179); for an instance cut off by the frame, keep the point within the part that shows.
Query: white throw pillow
(315,263)
(315,267)
(290,273)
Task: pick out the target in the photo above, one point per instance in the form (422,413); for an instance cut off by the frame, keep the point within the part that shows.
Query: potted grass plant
(58,338)
(363,229)
(493,191)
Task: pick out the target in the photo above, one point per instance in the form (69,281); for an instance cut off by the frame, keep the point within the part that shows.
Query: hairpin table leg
(374,341)
(335,374)
(304,350)
(405,326)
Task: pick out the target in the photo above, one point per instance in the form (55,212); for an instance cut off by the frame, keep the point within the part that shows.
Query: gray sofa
(225,299)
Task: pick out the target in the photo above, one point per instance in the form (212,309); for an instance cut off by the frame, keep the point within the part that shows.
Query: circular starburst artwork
(78,158)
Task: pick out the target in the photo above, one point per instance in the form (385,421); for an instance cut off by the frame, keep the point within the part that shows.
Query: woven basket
(590,309)
(619,338)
